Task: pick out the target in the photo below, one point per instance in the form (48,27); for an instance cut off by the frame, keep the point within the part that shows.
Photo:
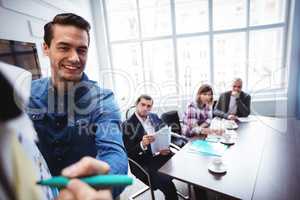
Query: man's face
(237,86)
(144,107)
(67,53)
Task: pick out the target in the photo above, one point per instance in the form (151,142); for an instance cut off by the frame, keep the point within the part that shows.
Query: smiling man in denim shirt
(73,117)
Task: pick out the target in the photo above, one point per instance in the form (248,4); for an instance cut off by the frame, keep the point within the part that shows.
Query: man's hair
(65,19)
(237,80)
(143,96)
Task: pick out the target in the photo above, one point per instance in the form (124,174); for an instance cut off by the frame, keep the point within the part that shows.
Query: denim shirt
(85,121)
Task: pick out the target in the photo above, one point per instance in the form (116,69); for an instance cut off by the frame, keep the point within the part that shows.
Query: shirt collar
(141,119)
(80,91)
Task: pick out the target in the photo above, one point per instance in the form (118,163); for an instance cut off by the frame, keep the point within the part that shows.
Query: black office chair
(145,178)
(214,104)
(133,164)
(129,112)
(171,118)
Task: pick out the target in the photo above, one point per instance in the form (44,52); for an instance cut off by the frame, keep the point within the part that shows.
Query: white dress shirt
(147,125)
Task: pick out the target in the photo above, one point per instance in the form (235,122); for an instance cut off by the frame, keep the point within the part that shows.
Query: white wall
(23,20)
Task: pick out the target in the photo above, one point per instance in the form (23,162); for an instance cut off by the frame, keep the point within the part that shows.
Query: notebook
(209,148)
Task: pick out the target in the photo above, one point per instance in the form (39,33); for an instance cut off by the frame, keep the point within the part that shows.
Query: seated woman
(196,121)
(197,117)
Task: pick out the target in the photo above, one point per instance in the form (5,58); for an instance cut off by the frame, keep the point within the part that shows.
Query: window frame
(210,33)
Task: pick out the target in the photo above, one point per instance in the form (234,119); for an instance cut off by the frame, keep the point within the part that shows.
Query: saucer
(220,170)
(232,127)
(229,142)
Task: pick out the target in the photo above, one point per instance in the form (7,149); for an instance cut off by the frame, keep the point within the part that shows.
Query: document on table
(250,118)
(162,140)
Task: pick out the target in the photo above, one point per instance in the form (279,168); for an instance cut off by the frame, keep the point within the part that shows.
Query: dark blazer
(133,132)
(243,105)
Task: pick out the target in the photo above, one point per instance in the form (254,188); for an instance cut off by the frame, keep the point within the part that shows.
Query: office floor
(138,185)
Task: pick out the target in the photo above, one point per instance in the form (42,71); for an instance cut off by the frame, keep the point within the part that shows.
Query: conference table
(264,163)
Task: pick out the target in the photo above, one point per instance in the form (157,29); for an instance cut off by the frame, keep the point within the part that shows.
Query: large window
(170,47)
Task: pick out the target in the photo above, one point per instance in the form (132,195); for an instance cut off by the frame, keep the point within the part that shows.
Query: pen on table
(94,181)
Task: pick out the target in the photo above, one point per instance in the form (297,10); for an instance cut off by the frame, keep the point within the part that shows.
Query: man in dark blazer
(138,133)
(234,103)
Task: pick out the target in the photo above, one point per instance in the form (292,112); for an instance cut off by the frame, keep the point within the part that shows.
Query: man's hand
(147,139)
(235,94)
(164,152)
(76,189)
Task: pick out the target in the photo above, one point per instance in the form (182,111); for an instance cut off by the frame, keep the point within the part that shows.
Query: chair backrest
(171,118)
(129,112)
(214,104)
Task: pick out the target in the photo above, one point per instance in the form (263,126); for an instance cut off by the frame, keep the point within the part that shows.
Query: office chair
(134,164)
(129,112)
(171,118)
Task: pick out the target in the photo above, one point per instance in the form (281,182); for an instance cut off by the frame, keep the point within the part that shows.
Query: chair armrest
(174,146)
(179,136)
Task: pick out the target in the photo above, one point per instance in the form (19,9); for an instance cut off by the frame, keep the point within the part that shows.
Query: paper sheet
(162,140)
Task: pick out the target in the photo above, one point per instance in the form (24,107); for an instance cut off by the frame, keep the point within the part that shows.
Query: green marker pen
(94,181)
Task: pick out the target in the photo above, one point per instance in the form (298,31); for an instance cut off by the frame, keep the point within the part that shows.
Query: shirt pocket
(37,117)
(39,123)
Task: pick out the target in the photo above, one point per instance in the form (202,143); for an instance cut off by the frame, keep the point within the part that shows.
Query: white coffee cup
(227,137)
(217,162)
